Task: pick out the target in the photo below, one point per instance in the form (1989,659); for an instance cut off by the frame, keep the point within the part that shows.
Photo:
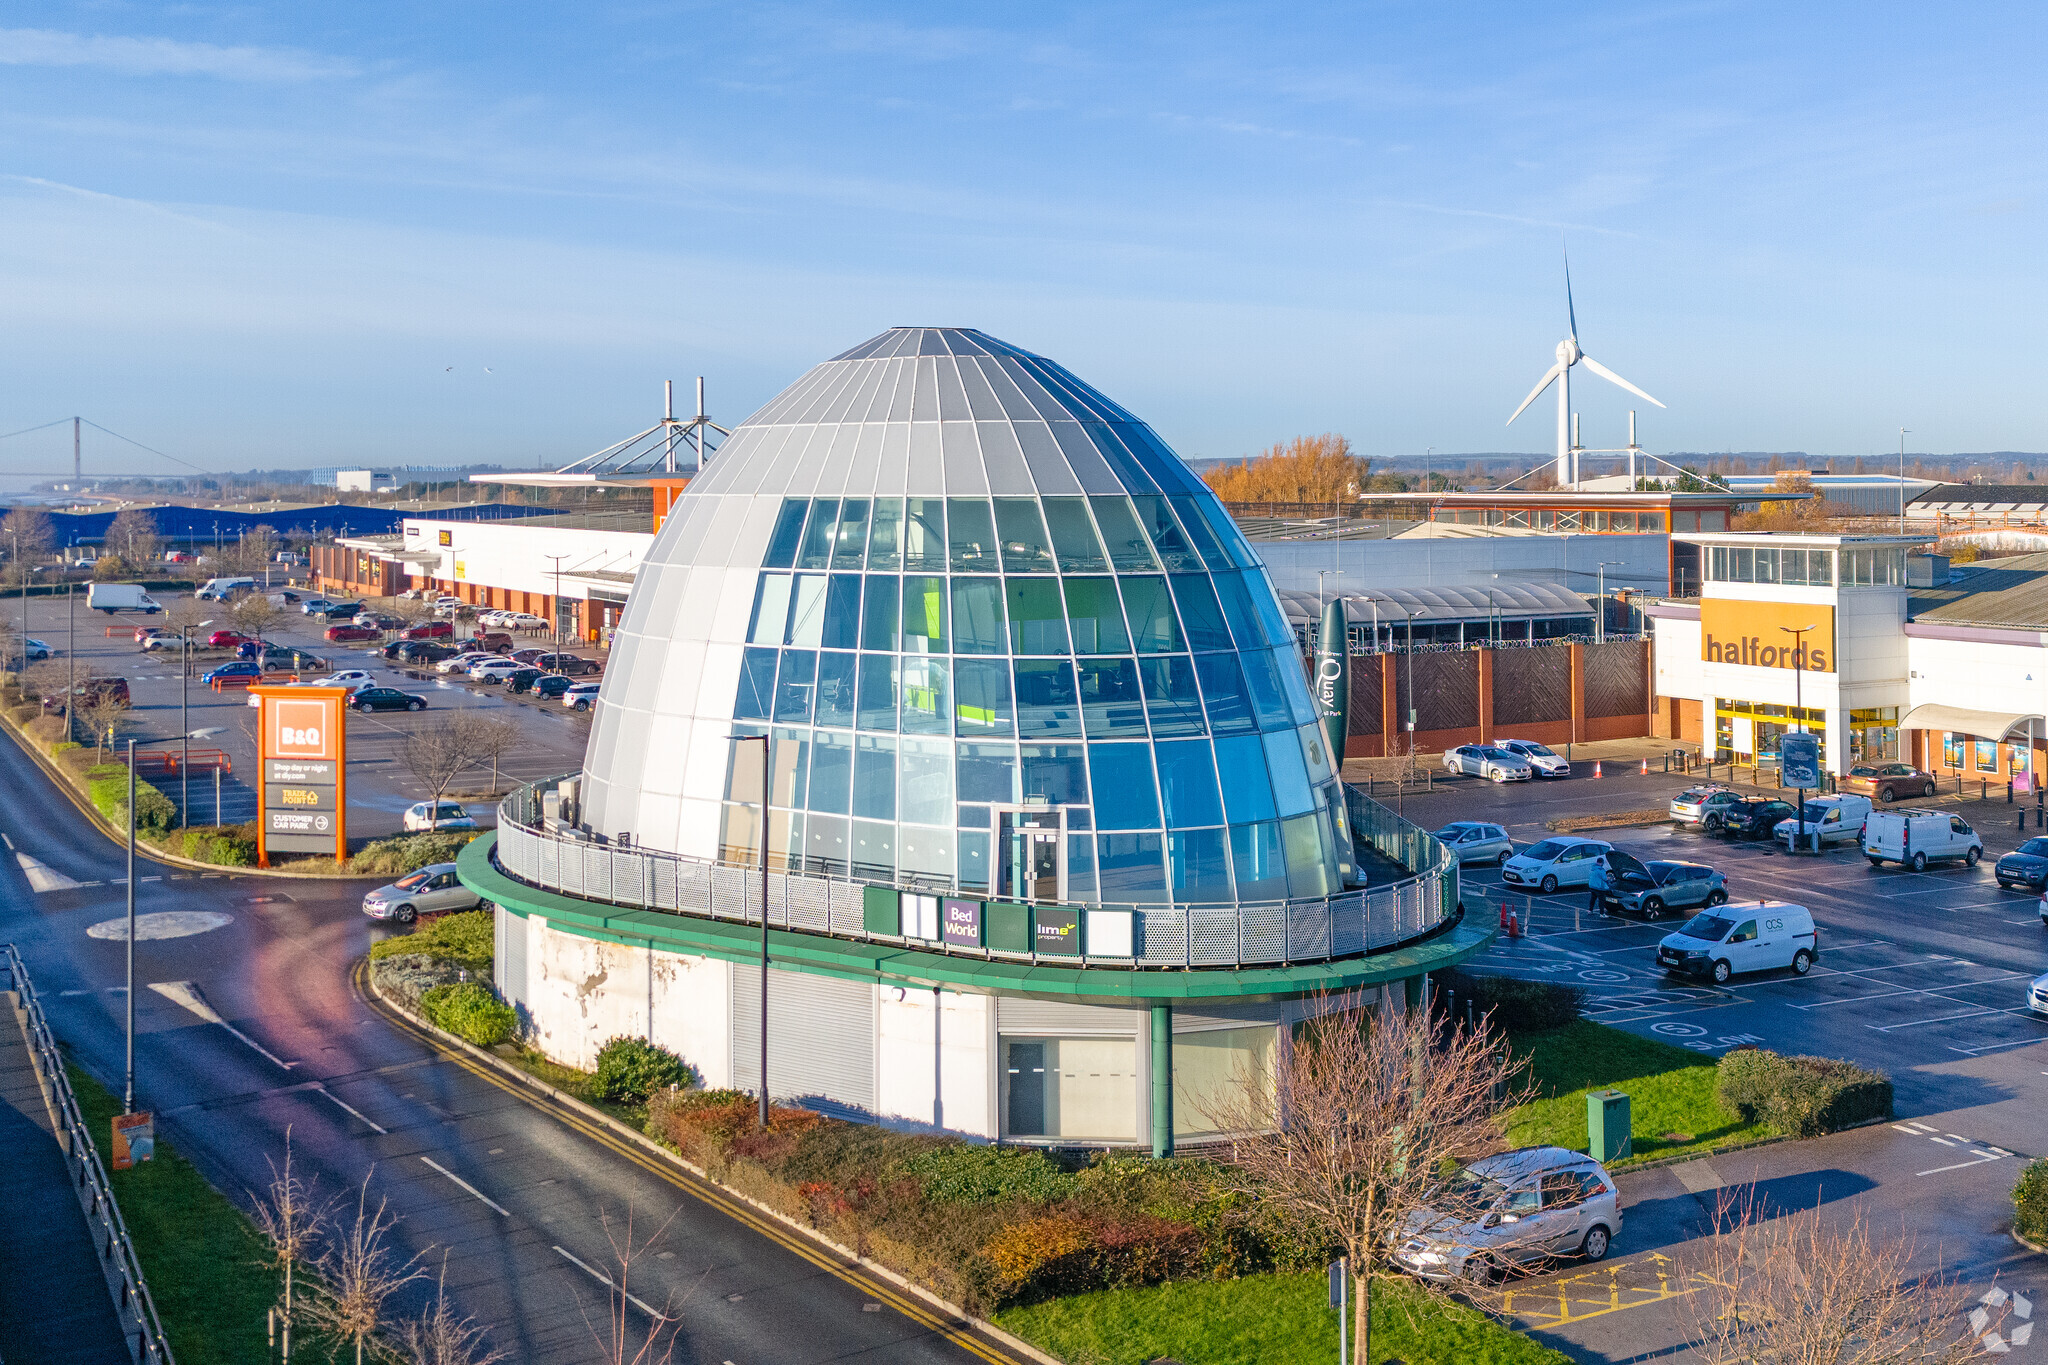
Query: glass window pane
(978,616)
(793,685)
(1269,696)
(825,846)
(1081,867)
(789,767)
(1150,609)
(1055,775)
(1170,697)
(1238,609)
(1307,869)
(1288,664)
(924,535)
(789,529)
(1226,531)
(988,772)
(972,536)
(1199,612)
(874,851)
(831,770)
(1247,790)
(1037,625)
(771,609)
(926,856)
(1174,550)
(842,613)
(852,539)
(1025,547)
(1230,709)
(1290,774)
(1125,794)
(756,698)
(927,697)
(885,538)
(1187,784)
(1073,536)
(1129,551)
(1047,702)
(1130,870)
(925,782)
(878,691)
(1097,616)
(884,601)
(818,535)
(1199,872)
(874,777)
(924,616)
(1204,539)
(806,611)
(974,861)
(1110,700)
(1258,864)
(835,689)
(981,696)
(1266,606)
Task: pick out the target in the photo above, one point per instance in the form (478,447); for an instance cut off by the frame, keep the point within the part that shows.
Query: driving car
(433,890)
(1756,936)
(1546,761)
(461,663)
(1530,1204)
(1887,782)
(385,699)
(1565,860)
(1756,818)
(522,678)
(1654,889)
(2026,866)
(580,696)
(1474,841)
(441,815)
(1484,760)
(351,633)
(1703,806)
(552,685)
(492,670)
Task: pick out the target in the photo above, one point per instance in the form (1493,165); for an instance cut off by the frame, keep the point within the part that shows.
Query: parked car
(2025,866)
(145,633)
(229,639)
(94,688)
(341,611)
(1653,890)
(526,620)
(385,699)
(314,606)
(496,641)
(460,663)
(423,652)
(429,630)
(1531,1204)
(2037,994)
(378,621)
(35,649)
(1703,806)
(1565,860)
(228,672)
(1483,760)
(347,677)
(160,643)
(1887,782)
(443,815)
(522,678)
(530,657)
(352,634)
(1756,936)
(1546,761)
(433,890)
(1914,838)
(492,670)
(1756,818)
(1836,819)
(1474,841)
(277,660)
(548,686)
(580,696)
(575,665)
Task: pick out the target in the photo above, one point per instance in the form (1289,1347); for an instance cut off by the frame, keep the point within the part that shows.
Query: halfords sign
(1760,634)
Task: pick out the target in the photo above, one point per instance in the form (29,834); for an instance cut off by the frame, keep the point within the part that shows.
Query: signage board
(1799,760)
(962,923)
(1759,634)
(299,843)
(298,770)
(1056,933)
(304,793)
(298,822)
(287,797)
(134,1140)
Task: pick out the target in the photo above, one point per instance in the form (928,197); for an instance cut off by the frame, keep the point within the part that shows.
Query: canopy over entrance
(1963,721)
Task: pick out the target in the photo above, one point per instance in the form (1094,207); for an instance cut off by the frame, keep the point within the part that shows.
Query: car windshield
(1696,793)
(1707,927)
(1469,1189)
(448,811)
(1457,827)
(2037,848)
(1546,850)
(414,882)
(1537,749)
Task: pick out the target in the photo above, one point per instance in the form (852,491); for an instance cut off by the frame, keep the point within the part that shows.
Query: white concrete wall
(517,557)
(1978,675)
(581,992)
(1677,655)
(1870,646)
(942,1083)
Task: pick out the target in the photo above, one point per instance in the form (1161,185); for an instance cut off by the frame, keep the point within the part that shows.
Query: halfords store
(1863,642)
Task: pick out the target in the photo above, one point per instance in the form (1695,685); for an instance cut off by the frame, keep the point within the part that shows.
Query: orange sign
(134,1139)
(302,790)
(1761,634)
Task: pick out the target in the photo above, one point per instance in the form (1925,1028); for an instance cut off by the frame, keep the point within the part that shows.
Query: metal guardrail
(1266,933)
(130,1292)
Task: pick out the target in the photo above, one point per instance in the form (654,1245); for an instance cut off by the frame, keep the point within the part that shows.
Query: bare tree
(622,1342)
(439,1337)
(184,615)
(100,711)
(254,551)
(360,1271)
(438,753)
(1796,1290)
(291,1215)
(28,532)
(132,536)
(256,615)
(490,738)
(1360,1119)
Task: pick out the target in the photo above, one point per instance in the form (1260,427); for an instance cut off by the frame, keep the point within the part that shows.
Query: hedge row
(2030,1203)
(1516,1006)
(106,786)
(1801,1096)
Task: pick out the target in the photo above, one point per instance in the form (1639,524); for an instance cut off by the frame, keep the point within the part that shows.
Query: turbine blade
(1611,377)
(1570,311)
(1548,375)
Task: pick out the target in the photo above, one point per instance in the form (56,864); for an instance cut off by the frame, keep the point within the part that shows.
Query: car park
(1546,761)
(492,670)
(551,685)
(352,634)
(2025,866)
(433,890)
(1558,862)
(1756,818)
(1887,782)
(385,699)
(581,696)
(460,663)
(1654,889)
(1531,1204)
(1756,936)
(1703,806)
(1483,760)
(438,815)
(1915,838)
(1836,819)
(1475,841)
(429,630)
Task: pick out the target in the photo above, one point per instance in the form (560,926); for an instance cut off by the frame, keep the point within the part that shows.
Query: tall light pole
(762,739)
(558,597)
(1902,480)
(1799,701)
(1600,620)
(128,1087)
(185,723)
(1322,589)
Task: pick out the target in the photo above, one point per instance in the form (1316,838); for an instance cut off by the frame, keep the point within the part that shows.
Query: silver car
(433,890)
(1483,760)
(1654,889)
(1527,1205)
(1703,806)
(1546,761)
(1474,841)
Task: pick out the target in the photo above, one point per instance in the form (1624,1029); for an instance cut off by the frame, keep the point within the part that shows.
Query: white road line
(606,1281)
(1904,1129)
(1957,1167)
(186,994)
(1943,1141)
(352,1109)
(10,843)
(467,1186)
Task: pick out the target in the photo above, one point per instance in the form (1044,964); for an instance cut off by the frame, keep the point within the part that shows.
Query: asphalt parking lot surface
(380,787)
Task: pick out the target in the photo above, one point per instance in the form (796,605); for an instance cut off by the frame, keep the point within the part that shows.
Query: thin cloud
(166,57)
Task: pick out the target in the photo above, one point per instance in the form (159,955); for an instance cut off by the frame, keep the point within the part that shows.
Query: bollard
(2008,793)
(1981,788)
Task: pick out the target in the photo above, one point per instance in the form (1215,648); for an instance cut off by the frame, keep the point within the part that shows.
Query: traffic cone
(1514,925)
(1646,768)
(1596,767)
(1503,914)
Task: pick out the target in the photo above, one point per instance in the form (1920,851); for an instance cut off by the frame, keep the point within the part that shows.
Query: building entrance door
(1030,843)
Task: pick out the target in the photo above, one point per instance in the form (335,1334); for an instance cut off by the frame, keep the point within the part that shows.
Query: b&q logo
(300,729)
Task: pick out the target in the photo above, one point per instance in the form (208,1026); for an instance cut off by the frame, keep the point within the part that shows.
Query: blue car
(241,668)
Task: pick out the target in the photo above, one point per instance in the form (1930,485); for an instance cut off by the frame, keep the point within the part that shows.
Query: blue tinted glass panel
(1073,536)
(924,535)
(1130,869)
(1226,531)
(1230,707)
(978,616)
(852,539)
(972,536)
(756,700)
(789,768)
(1295,683)
(1125,796)
(981,697)
(974,861)
(1258,864)
(874,851)
(1097,616)
(988,772)
(1047,702)
(1307,869)
(1238,610)
(874,777)
(884,603)
(1170,699)
(1199,870)
(1111,705)
(1172,546)
(1022,531)
(1187,783)
(794,684)
(819,534)
(1037,625)
(878,691)
(974,816)
(1199,612)
(1247,791)
(1204,539)
(926,691)
(885,536)
(1081,867)
(835,689)
(924,782)
(1269,696)
(924,616)
(1290,774)
(771,609)
(831,770)
(1271,619)
(1129,551)
(789,530)
(842,613)
(806,623)
(1150,610)
(1056,774)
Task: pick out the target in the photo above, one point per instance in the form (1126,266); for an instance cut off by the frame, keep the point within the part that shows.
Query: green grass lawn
(1670,1090)
(1271,1319)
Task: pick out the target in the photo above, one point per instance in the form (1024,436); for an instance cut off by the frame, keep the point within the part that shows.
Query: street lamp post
(1600,619)
(763,741)
(1902,480)
(1799,705)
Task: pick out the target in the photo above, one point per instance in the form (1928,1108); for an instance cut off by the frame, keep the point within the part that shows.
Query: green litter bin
(1608,1126)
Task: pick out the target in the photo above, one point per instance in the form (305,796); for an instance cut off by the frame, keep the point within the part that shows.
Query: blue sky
(260,234)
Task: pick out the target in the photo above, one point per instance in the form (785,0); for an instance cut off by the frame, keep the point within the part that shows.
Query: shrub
(629,1070)
(1068,1252)
(976,1173)
(1801,1096)
(1517,1006)
(466,940)
(471,1011)
(408,853)
(2030,1203)
(107,786)
(409,976)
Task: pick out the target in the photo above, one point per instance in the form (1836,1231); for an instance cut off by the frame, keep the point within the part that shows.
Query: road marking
(1961,1165)
(352,1109)
(187,994)
(606,1281)
(41,876)
(467,1186)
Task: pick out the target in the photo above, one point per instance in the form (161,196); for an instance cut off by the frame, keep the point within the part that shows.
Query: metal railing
(1246,934)
(130,1292)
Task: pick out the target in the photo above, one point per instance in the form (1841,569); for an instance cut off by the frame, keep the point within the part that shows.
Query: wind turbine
(1568,355)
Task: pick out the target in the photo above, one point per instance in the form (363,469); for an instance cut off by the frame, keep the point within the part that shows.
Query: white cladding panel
(1677,655)
(927,1080)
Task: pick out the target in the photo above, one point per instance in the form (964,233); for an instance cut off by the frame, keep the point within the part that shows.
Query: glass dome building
(1002,642)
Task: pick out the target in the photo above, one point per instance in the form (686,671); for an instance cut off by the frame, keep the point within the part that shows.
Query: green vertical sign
(1333,679)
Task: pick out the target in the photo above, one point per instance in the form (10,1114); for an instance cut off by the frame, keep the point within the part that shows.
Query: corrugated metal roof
(2004,592)
(1510,601)
(1986,494)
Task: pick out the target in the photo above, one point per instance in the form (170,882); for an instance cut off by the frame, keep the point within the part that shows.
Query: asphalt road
(524,1199)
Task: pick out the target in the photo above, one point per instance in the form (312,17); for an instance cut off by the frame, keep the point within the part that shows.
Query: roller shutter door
(1057,1017)
(821,1038)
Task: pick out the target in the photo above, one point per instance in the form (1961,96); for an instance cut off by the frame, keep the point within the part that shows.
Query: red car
(228,639)
(429,630)
(340,634)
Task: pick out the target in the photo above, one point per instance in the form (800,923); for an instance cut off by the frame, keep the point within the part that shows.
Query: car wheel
(1500,775)
(1549,886)
(1484,1270)
(1654,907)
(1874,862)
(1722,971)
(1970,858)
(1594,1248)
(1717,897)
(582,706)
(1501,859)
(1918,862)
(1887,795)
(415,705)
(1802,962)
(1710,823)
(1927,790)
(405,914)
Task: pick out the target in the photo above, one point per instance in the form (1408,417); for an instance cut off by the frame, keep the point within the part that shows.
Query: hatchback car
(522,678)
(433,890)
(378,620)
(240,668)
(443,815)
(1532,1204)
(35,649)
(1546,761)
(1484,760)
(352,634)
(492,670)
(314,606)
(1653,890)
(348,677)
(385,699)
(1474,841)
(552,685)
(2037,994)
(460,663)
(1756,818)
(1564,861)
(1887,781)
(1703,806)
(429,630)
(2025,866)
(228,639)
(580,696)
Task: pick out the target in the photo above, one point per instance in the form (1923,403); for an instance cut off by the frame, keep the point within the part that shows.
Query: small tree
(360,1271)
(438,753)
(439,1337)
(490,738)
(101,712)
(256,615)
(292,1217)
(184,614)
(621,1343)
(257,547)
(132,536)
(28,533)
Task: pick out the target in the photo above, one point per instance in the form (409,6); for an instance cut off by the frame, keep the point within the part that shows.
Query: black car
(550,685)
(1755,819)
(395,650)
(426,652)
(385,699)
(523,679)
(569,665)
(340,611)
(2025,866)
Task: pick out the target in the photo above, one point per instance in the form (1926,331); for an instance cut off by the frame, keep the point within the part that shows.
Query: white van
(1758,936)
(1837,819)
(1915,838)
(113,597)
(224,589)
